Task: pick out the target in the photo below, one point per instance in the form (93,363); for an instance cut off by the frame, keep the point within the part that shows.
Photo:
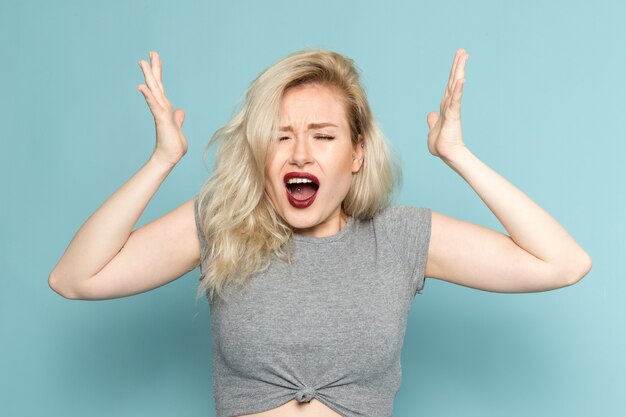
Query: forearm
(528,225)
(106,231)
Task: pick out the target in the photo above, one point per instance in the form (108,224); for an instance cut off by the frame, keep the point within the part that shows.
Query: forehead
(312,103)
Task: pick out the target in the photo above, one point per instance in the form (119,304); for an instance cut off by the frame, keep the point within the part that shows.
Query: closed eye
(283,138)
(324,137)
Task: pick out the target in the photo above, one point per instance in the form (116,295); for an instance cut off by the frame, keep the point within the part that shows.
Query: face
(310,168)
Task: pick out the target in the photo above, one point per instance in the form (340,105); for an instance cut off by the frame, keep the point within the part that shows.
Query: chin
(300,219)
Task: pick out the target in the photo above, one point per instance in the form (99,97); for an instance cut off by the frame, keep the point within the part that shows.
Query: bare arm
(101,238)
(105,260)
(538,255)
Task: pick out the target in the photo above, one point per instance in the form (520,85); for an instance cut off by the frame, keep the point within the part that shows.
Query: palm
(445,135)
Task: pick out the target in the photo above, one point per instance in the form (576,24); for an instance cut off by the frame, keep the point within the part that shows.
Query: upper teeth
(298,180)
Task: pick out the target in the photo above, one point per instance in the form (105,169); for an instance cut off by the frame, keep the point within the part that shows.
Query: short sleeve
(408,229)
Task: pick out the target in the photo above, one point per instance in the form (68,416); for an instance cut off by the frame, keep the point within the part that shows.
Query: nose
(301,152)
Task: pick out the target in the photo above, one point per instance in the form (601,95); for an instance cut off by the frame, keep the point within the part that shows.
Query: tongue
(302,191)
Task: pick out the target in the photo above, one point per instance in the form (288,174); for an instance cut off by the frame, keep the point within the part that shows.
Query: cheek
(344,187)
(273,186)
(343,179)
(270,184)
(272,169)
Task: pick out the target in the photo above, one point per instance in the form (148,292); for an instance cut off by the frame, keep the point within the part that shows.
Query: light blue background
(543,106)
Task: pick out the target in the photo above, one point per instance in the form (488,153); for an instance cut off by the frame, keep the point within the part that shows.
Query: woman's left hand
(444,136)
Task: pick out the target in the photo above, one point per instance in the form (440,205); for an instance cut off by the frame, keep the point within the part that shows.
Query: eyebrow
(311,126)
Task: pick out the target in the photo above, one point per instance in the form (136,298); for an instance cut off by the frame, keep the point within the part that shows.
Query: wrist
(160,164)
(457,155)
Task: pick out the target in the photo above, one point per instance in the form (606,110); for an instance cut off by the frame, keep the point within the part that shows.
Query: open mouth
(301,188)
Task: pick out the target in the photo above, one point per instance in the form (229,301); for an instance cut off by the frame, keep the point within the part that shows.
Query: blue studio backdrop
(543,106)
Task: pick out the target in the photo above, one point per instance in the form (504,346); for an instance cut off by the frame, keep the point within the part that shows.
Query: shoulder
(406,231)
(399,216)
(403,225)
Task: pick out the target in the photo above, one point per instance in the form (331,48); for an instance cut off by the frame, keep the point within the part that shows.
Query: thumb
(179,117)
(431,119)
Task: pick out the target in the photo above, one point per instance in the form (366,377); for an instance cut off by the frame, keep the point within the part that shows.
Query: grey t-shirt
(328,326)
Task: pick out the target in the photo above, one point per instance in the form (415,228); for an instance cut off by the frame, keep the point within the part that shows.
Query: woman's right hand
(171,143)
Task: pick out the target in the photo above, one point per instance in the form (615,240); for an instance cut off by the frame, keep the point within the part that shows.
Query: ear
(358,154)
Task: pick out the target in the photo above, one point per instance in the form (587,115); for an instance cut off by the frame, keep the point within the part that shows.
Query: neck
(330,227)
(343,220)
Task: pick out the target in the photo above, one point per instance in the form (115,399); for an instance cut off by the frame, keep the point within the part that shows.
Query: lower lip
(300,204)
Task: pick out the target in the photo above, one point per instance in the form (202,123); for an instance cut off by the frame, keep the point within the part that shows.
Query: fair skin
(314,138)
(108,259)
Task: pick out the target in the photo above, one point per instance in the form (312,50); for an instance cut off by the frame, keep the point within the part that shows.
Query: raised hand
(445,136)
(171,143)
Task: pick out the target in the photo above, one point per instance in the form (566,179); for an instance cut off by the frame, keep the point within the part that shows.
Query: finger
(145,91)
(155,106)
(455,101)
(151,82)
(460,71)
(179,117)
(157,69)
(431,119)
(451,78)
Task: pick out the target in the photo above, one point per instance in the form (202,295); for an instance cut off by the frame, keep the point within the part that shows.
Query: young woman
(309,271)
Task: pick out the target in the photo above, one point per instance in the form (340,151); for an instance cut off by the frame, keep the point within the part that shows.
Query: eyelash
(323,137)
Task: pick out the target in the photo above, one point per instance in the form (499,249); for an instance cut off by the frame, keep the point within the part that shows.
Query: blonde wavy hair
(236,216)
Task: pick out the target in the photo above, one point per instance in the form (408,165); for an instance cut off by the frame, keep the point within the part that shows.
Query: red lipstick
(294,198)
